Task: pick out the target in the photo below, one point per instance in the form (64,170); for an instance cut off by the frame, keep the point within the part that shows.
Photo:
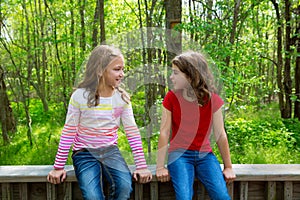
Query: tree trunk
(72,33)
(297,69)
(173,38)
(147,83)
(209,19)
(8,123)
(26,92)
(38,41)
(237,4)
(99,19)
(82,35)
(102,22)
(44,65)
(61,66)
(287,81)
(279,57)
(95,24)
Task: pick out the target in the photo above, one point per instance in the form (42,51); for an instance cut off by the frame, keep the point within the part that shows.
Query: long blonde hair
(194,65)
(99,59)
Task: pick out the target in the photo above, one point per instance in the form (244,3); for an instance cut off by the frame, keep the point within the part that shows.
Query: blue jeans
(185,165)
(93,166)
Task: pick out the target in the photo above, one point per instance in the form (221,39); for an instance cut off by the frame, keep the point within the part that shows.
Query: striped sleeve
(68,135)
(134,137)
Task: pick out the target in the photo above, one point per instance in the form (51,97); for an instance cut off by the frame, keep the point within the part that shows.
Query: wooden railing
(271,182)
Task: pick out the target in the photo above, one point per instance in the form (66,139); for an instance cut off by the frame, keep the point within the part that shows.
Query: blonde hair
(194,65)
(99,59)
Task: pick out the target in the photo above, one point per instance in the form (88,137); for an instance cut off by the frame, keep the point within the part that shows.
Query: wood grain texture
(254,181)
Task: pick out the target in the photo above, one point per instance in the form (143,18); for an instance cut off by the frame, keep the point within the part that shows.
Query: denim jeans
(185,165)
(93,166)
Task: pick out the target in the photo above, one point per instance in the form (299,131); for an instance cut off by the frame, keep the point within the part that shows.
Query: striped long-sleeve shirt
(96,127)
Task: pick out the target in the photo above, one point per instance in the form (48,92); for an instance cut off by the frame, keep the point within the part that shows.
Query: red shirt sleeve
(217,102)
(167,102)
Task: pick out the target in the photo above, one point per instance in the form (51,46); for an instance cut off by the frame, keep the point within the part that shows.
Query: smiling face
(114,72)
(178,78)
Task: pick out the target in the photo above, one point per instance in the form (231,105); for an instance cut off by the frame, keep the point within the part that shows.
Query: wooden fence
(265,182)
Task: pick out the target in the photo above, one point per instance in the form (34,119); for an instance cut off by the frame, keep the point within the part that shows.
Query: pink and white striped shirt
(95,127)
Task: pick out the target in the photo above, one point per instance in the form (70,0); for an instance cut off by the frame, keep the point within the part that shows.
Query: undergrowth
(255,137)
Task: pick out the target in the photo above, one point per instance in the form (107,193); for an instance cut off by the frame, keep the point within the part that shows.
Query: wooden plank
(138,191)
(288,190)
(257,190)
(67,191)
(30,173)
(76,192)
(166,191)
(199,191)
(154,190)
(296,190)
(271,188)
(244,190)
(37,190)
(267,172)
(271,181)
(244,172)
(51,191)
(6,191)
(23,191)
(230,188)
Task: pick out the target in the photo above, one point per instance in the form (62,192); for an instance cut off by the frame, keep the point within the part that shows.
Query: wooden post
(200,191)
(68,191)
(244,190)
(154,190)
(6,191)
(230,188)
(51,193)
(138,191)
(271,190)
(288,190)
(23,191)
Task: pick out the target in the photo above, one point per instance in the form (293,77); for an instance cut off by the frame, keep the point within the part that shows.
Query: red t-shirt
(191,123)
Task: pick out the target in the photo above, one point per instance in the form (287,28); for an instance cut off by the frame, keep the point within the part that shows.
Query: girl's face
(114,72)
(178,78)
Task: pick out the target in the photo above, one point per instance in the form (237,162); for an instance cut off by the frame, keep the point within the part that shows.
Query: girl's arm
(165,128)
(222,142)
(58,174)
(67,135)
(133,136)
(142,174)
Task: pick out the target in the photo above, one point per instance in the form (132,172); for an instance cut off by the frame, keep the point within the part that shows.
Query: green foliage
(48,50)
(261,137)
(55,115)
(46,129)
(127,153)
(255,136)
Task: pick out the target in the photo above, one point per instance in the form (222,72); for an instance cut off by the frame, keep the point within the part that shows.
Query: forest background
(253,48)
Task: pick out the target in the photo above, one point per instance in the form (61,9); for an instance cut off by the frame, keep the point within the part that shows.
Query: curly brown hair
(194,65)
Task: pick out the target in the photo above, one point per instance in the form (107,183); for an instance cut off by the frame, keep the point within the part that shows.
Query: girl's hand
(57,176)
(142,175)
(229,175)
(162,174)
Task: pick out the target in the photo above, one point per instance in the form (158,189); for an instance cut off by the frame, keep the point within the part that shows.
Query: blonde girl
(96,109)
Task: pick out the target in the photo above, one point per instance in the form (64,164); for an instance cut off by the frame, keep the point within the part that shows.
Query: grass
(255,137)
(262,137)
